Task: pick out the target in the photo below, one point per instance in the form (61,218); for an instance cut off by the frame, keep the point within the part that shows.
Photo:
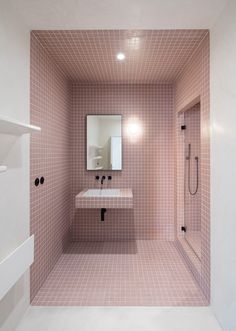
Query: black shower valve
(36,182)
(97,177)
(109,177)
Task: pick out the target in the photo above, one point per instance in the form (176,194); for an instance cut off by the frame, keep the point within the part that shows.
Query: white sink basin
(107,192)
(105,198)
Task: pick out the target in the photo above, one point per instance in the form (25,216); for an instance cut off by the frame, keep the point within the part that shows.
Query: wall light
(134,129)
(120,56)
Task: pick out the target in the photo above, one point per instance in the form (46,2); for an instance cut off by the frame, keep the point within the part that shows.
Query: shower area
(192,179)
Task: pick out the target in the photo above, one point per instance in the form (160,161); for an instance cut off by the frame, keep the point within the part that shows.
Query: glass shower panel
(192,205)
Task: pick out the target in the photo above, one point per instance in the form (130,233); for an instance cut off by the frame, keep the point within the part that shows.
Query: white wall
(14,152)
(122,14)
(223,166)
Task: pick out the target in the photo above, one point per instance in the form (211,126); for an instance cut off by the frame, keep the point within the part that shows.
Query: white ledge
(9,126)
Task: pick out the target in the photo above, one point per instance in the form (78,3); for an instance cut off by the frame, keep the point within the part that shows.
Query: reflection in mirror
(104,142)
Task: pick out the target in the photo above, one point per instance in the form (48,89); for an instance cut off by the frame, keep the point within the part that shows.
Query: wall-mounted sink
(104,198)
(109,192)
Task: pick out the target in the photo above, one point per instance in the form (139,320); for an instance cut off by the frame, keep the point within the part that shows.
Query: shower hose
(188,158)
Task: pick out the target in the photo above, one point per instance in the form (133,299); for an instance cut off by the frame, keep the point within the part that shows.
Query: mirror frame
(86,142)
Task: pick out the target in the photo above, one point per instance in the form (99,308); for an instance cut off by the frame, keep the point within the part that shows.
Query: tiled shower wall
(191,87)
(148,164)
(49,157)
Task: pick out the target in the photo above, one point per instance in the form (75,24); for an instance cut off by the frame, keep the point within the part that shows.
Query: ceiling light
(120,56)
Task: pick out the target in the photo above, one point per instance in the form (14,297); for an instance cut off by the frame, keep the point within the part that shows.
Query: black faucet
(102,180)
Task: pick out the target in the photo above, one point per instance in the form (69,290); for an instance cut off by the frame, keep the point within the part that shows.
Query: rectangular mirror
(104,142)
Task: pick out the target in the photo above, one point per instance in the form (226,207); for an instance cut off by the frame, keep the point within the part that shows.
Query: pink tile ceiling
(89,56)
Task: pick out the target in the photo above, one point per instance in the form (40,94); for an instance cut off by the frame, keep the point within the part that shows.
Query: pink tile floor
(134,273)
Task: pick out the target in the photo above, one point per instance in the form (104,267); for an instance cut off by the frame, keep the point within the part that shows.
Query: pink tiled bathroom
(117,153)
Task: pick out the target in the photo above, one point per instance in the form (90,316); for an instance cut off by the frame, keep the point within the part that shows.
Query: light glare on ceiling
(120,56)
(134,43)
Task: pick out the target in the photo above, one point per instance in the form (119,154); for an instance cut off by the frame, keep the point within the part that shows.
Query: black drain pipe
(103,211)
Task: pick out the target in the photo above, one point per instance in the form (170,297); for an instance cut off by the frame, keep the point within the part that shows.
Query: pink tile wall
(49,157)
(192,136)
(193,84)
(148,165)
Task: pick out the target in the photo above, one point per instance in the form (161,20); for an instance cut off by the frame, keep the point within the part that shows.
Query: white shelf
(3,168)
(96,146)
(9,126)
(97,157)
(15,264)
(98,168)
